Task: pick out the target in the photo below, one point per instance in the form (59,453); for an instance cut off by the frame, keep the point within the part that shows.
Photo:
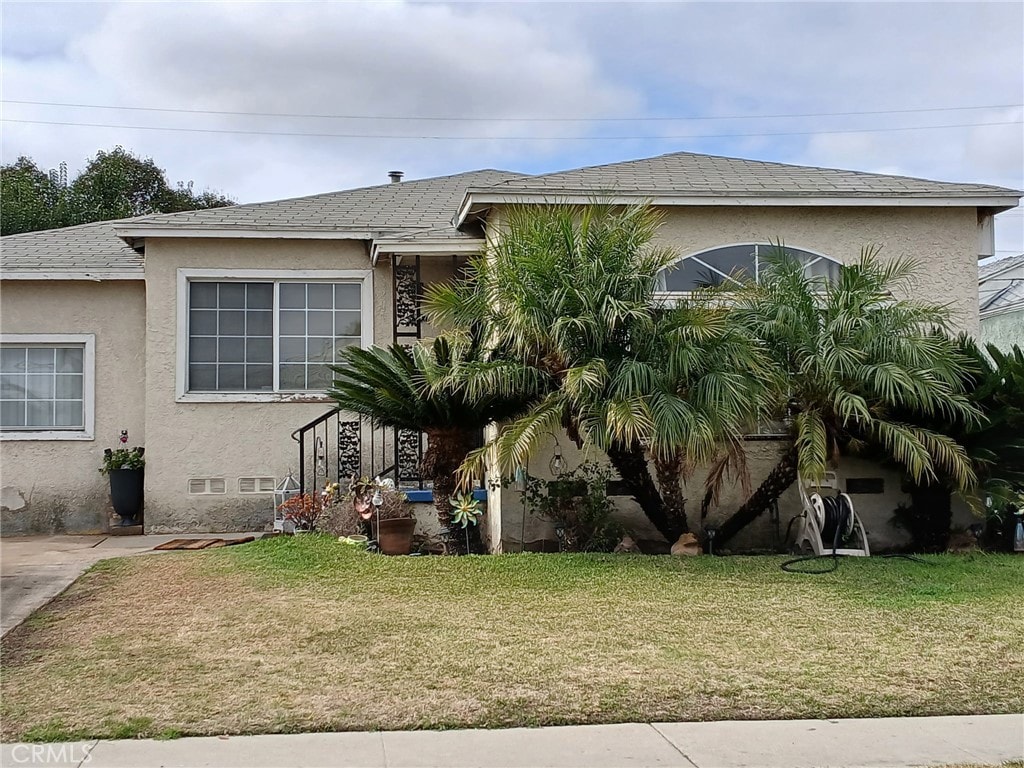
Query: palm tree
(568,297)
(994,444)
(395,387)
(856,355)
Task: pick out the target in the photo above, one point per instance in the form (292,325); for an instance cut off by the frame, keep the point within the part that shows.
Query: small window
(736,264)
(46,385)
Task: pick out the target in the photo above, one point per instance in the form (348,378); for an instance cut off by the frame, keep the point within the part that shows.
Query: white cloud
(512,61)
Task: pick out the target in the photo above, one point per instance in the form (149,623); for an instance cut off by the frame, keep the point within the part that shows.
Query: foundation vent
(206,486)
(256,485)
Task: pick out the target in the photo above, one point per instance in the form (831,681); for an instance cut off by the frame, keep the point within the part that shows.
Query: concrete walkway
(35,569)
(988,740)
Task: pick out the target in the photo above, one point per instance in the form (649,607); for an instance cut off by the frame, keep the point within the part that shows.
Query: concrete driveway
(35,569)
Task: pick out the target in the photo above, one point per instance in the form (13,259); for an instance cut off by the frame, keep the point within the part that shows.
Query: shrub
(577,503)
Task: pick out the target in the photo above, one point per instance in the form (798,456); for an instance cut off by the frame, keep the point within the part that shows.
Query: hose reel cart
(829,525)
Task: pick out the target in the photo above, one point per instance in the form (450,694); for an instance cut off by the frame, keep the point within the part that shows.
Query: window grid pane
(316,322)
(231,344)
(42,388)
(231,334)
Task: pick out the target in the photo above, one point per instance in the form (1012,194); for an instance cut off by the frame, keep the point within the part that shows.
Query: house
(1001,302)
(205,333)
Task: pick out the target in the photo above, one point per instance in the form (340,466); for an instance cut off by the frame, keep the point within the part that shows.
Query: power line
(506,119)
(310,134)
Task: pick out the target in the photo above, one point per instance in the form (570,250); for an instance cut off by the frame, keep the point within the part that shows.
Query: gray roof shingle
(387,208)
(689,174)
(422,209)
(987,270)
(93,249)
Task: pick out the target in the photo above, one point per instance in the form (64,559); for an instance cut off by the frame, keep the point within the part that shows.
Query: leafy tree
(568,297)
(113,185)
(397,387)
(32,199)
(855,356)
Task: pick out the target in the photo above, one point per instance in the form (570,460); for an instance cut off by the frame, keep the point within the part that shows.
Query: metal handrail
(297,434)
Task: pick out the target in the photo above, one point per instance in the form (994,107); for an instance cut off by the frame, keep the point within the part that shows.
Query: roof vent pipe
(395,176)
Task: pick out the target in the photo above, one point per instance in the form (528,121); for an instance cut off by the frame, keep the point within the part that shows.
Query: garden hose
(838,520)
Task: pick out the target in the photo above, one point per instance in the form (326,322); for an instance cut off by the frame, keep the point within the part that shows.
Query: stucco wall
(53,485)
(230,439)
(943,240)
(875,510)
(1004,330)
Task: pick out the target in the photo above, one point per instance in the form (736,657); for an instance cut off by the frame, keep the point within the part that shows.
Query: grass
(303,634)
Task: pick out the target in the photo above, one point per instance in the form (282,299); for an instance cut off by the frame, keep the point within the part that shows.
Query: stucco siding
(230,440)
(225,440)
(54,485)
(943,240)
(1004,330)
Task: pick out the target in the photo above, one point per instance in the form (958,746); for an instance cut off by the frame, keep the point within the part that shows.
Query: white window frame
(185,276)
(88,342)
(666,294)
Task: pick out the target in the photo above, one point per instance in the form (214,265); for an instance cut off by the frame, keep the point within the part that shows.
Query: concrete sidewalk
(35,569)
(986,740)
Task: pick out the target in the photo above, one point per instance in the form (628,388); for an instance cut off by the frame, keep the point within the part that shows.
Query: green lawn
(297,634)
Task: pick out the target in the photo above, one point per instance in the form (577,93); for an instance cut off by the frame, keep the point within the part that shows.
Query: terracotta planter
(395,536)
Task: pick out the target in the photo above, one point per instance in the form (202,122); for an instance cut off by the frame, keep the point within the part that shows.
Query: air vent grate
(255,485)
(206,486)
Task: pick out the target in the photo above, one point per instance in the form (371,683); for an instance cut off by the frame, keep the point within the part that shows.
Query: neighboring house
(1001,302)
(205,334)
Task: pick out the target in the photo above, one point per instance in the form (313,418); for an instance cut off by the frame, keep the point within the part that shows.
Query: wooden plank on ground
(198,543)
(172,544)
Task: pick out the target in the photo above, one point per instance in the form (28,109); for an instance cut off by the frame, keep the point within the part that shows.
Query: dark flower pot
(126,494)
(395,536)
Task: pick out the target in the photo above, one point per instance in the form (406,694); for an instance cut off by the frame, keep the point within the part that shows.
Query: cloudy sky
(272,100)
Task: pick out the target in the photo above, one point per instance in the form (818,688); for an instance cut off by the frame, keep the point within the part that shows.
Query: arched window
(734,264)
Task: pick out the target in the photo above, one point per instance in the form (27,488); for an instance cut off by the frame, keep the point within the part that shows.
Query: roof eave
(92,276)
(134,232)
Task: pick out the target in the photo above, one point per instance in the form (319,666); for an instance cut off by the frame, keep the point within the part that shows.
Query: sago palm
(395,387)
(856,353)
(568,297)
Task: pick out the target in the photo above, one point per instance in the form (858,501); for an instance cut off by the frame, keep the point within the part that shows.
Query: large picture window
(734,264)
(269,335)
(46,385)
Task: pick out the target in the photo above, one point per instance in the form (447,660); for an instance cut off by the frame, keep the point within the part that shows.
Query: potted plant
(305,510)
(126,469)
(387,511)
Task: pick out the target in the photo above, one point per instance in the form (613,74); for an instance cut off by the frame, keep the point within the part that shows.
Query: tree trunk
(670,485)
(631,464)
(446,450)
(778,480)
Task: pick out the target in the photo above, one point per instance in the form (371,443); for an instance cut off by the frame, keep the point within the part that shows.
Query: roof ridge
(79,226)
(748,161)
(333,193)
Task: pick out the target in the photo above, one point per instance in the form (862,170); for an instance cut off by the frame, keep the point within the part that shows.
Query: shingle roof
(388,208)
(1009,293)
(404,209)
(689,174)
(93,249)
(987,270)
(423,209)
